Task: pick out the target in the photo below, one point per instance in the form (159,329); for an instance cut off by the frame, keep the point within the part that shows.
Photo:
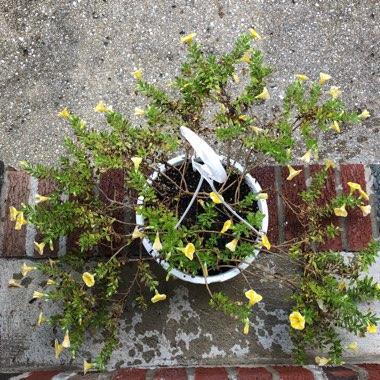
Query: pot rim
(231,273)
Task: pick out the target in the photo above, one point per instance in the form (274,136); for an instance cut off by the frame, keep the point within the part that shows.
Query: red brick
(373,370)
(42,375)
(340,373)
(258,373)
(265,176)
(170,374)
(130,374)
(46,187)
(211,374)
(18,192)
(328,193)
(112,188)
(359,230)
(290,191)
(293,372)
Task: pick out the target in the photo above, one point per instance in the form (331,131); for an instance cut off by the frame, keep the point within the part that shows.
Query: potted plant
(186,165)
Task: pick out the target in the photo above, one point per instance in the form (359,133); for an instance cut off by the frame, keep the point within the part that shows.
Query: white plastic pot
(231,273)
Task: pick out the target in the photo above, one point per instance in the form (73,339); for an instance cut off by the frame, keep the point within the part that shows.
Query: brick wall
(345,372)
(16,187)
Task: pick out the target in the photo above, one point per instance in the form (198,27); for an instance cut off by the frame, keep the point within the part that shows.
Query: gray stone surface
(181,331)
(74,53)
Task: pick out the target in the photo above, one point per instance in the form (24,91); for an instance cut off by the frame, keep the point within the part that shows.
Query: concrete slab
(75,53)
(182,331)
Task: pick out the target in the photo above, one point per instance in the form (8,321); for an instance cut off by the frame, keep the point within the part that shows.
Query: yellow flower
(25,269)
(39,247)
(323,78)
(89,279)
(329,163)
(262,196)
(136,162)
(246,326)
(51,282)
(39,294)
(297,321)
(64,113)
(58,349)
(13,283)
(363,195)
(301,77)
(264,94)
(13,212)
(158,297)
(243,117)
(137,74)
(334,92)
(335,126)
(137,234)
(66,340)
(245,58)
(292,173)
(87,366)
(232,245)
(189,38)
(52,262)
(306,157)
(322,361)
(366,210)
(365,115)
(20,221)
(341,211)
(226,226)
(40,198)
(139,111)
(354,186)
(371,328)
(257,130)
(342,285)
(157,246)
(41,319)
(235,78)
(353,346)
(189,251)
(216,198)
(254,34)
(265,242)
(100,107)
(253,297)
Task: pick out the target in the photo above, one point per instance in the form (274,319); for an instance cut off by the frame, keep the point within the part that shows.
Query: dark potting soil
(168,193)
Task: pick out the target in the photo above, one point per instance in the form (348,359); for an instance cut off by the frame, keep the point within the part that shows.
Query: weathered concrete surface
(182,331)
(74,53)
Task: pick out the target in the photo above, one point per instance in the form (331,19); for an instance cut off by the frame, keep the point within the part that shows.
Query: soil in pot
(175,188)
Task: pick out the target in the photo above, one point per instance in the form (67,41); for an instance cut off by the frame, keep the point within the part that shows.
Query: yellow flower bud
(88,279)
(189,38)
(292,173)
(253,297)
(137,74)
(297,321)
(323,78)
(189,251)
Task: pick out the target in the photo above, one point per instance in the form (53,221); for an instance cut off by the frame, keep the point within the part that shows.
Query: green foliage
(218,97)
